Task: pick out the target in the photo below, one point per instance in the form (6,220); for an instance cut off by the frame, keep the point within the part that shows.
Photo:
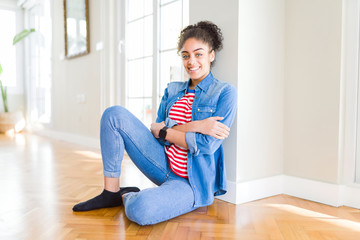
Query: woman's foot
(104,200)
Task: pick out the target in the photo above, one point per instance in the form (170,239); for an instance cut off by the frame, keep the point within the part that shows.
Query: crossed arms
(210,126)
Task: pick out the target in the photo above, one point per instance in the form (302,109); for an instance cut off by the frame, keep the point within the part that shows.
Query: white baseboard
(350,196)
(243,192)
(69,137)
(317,191)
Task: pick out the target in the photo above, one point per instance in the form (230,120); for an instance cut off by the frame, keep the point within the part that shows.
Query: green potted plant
(12,121)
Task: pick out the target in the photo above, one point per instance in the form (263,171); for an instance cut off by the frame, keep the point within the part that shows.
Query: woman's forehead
(193,44)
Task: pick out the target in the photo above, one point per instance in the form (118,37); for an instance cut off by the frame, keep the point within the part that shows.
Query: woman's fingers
(155,128)
(221,124)
(220,132)
(213,127)
(222,127)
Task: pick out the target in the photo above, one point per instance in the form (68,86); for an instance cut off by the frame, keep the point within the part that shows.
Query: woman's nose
(191,60)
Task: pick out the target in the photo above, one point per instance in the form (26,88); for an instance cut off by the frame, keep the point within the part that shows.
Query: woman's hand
(155,128)
(212,127)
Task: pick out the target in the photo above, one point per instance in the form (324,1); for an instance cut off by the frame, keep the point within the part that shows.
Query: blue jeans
(120,130)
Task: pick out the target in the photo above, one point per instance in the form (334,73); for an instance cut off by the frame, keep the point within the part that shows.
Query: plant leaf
(1,69)
(23,34)
(4,96)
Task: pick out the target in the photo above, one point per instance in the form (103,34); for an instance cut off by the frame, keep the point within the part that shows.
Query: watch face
(162,133)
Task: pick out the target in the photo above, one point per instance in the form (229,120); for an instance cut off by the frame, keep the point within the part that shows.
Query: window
(39,76)
(10,24)
(151,30)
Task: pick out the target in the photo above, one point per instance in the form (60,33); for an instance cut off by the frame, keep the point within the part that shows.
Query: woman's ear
(212,56)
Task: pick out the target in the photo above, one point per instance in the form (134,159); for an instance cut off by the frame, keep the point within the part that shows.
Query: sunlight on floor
(340,222)
(89,154)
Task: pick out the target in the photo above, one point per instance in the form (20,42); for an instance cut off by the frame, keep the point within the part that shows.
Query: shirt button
(198,109)
(211,110)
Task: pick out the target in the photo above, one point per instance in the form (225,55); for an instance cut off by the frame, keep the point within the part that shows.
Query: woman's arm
(209,126)
(206,134)
(172,136)
(177,134)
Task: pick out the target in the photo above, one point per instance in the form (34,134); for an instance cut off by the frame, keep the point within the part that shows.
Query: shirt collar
(204,84)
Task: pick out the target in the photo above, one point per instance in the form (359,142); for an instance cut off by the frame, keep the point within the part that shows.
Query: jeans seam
(117,144)
(118,157)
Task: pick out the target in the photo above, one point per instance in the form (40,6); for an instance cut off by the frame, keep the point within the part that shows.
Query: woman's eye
(185,56)
(198,54)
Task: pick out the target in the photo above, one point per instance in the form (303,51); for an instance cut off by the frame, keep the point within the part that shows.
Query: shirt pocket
(202,112)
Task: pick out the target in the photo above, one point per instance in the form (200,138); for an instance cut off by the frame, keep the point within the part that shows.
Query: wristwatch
(162,133)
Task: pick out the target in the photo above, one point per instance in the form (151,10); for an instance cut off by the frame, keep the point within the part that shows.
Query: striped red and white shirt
(181,113)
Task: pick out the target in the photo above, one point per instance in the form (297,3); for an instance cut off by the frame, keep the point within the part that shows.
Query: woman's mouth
(194,69)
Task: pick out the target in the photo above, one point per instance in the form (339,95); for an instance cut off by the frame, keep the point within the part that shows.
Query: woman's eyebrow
(193,50)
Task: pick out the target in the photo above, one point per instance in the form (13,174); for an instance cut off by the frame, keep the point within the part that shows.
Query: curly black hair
(205,31)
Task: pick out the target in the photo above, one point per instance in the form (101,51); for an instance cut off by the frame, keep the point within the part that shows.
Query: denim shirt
(205,164)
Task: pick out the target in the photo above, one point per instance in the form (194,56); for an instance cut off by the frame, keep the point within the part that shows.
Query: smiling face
(197,57)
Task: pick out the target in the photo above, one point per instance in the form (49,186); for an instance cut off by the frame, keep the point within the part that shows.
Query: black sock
(104,200)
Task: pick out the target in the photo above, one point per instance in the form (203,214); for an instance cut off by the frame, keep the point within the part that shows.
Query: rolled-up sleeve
(191,142)
(161,110)
(170,123)
(161,115)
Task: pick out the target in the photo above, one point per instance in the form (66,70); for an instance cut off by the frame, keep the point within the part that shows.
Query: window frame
(156,68)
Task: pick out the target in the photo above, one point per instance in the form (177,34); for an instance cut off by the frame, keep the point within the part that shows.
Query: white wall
(260,84)
(76,76)
(312,89)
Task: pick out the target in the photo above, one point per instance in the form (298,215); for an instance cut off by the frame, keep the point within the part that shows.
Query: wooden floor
(41,179)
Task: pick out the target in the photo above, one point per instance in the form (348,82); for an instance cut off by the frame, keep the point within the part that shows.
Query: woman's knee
(114,113)
(140,210)
(113,110)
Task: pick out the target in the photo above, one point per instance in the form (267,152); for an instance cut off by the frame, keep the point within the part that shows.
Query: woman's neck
(193,83)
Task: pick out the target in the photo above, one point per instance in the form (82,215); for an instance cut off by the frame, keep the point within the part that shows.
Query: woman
(182,154)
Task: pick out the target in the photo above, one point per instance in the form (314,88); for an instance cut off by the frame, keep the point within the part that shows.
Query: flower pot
(11,122)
